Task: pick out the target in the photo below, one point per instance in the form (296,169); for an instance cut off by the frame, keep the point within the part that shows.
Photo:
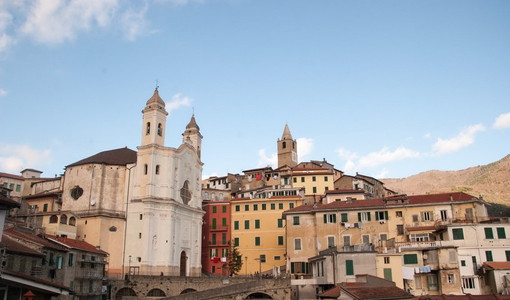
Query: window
(302,179)
(451,278)
(383,236)
(325,178)
(223,221)
(277,257)
(349,267)
(419,237)
(398,214)
(488,255)
(444,215)
(246,224)
(238,207)
(224,208)
(280,223)
(72,221)
(291,205)
(415,218)
(264,206)
(160,129)
(365,239)
(280,240)
(410,259)
(297,244)
(18,187)
(141,216)
(280,205)
(255,207)
(468,283)
(257,224)
(295,220)
(501,232)
(63,219)
(262,258)
(53,219)
(331,241)
(294,179)
(463,263)
(381,215)
(213,252)
(344,217)
(257,241)
(246,207)
(347,240)
(458,233)
(314,179)
(148,128)
(213,239)
(145,169)
(236,242)
(329,218)
(386,260)
(213,223)
(299,268)
(426,216)
(273,206)
(488,233)
(387,274)
(70,259)
(507,254)
(223,238)
(432,282)
(236,225)
(157,169)
(364,216)
(400,229)
(214,209)
(45,207)
(417,282)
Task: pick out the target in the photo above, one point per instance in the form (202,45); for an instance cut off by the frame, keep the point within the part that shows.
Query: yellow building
(315,181)
(258,231)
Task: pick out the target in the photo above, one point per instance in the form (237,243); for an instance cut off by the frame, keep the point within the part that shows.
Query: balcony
(217,228)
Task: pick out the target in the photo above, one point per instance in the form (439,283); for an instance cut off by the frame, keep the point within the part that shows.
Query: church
(142,207)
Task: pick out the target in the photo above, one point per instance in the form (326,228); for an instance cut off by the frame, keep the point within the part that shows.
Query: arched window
(72,221)
(160,129)
(284,145)
(53,219)
(206,195)
(148,130)
(63,219)
(185,193)
(213,196)
(220,196)
(156,293)
(145,169)
(157,169)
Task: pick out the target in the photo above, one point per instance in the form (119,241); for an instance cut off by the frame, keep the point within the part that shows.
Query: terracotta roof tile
(463,297)
(12,245)
(377,292)
(6,202)
(16,234)
(118,157)
(77,244)
(497,265)
(35,279)
(11,176)
(331,293)
(345,191)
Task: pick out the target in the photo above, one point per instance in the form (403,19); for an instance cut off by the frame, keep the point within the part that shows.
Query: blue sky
(384,88)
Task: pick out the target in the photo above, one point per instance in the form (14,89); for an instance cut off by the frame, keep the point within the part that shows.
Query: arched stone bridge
(187,288)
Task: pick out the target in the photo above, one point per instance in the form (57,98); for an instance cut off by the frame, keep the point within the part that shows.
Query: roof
(332,293)
(35,279)
(463,297)
(381,202)
(11,176)
(156,98)
(117,157)
(77,244)
(29,237)
(44,194)
(6,202)
(12,245)
(497,265)
(376,292)
(192,123)
(258,169)
(345,192)
(286,133)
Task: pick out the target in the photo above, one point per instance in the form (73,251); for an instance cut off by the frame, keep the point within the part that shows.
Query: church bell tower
(287,149)
(154,121)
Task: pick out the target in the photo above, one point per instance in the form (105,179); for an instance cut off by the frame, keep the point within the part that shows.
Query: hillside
(492,181)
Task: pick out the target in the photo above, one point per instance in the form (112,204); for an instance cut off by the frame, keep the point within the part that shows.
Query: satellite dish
(92,202)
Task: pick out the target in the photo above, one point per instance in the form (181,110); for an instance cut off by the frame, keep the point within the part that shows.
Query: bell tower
(192,135)
(154,121)
(287,149)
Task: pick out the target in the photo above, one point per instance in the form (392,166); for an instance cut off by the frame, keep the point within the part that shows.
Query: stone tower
(154,120)
(287,149)
(192,135)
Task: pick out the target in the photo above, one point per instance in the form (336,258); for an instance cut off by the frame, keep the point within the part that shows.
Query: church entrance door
(184,258)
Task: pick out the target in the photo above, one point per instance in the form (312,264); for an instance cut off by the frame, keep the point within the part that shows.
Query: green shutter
(507,253)
(292,268)
(410,259)
(501,233)
(368,214)
(280,223)
(334,218)
(344,218)
(349,267)
(236,225)
(359,217)
(488,233)
(377,216)
(387,274)
(488,255)
(325,218)
(386,216)
(458,233)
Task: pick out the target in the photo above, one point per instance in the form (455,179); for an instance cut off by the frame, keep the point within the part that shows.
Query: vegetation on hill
(490,181)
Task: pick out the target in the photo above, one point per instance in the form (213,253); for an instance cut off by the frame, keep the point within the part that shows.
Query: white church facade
(142,207)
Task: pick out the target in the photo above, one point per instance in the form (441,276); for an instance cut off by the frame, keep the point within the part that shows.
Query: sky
(384,88)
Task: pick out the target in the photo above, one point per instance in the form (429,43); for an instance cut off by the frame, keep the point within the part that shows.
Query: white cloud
(503,121)
(465,138)
(304,148)
(2,91)
(265,160)
(356,162)
(133,22)
(56,21)
(14,158)
(177,102)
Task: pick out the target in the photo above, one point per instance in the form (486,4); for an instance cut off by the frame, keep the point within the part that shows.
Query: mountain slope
(492,181)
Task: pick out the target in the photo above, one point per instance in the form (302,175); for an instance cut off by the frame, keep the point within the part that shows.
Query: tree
(235,260)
